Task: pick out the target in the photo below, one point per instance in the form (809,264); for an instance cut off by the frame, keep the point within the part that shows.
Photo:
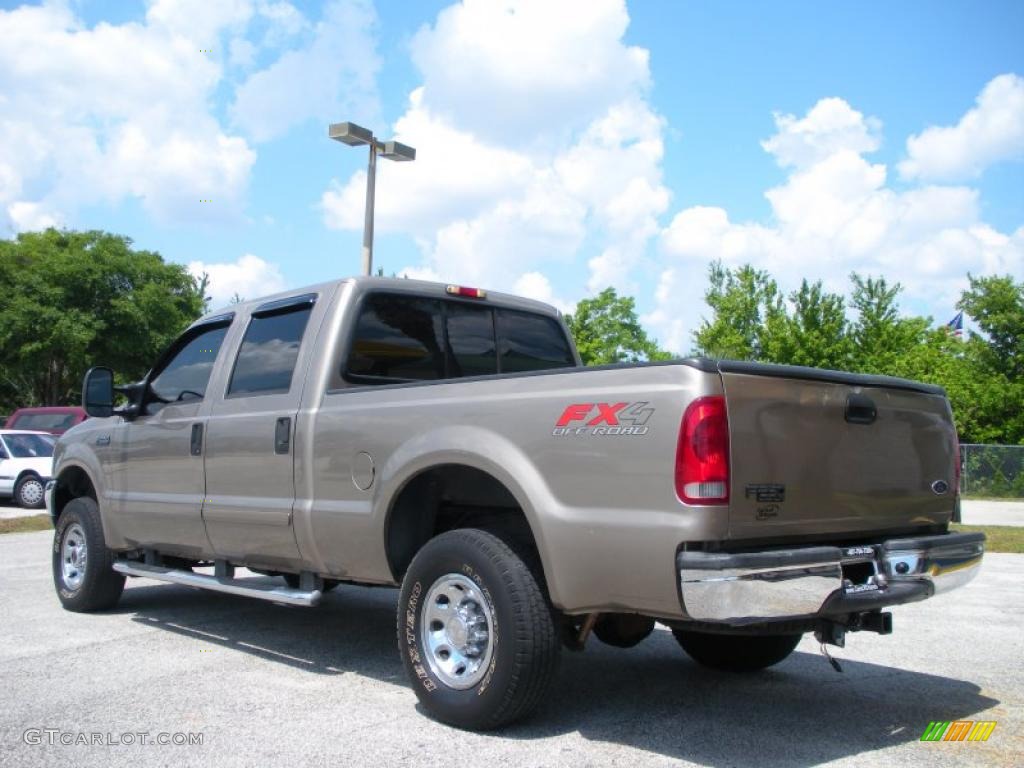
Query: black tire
(28,492)
(96,587)
(736,653)
(522,636)
(293,581)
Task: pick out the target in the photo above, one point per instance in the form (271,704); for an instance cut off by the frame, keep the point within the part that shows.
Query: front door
(156,480)
(250,484)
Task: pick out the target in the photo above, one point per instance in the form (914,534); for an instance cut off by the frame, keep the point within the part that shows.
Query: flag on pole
(956,325)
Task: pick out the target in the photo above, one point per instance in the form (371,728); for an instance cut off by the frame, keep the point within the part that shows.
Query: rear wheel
(477,635)
(736,653)
(28,493)
(82,565)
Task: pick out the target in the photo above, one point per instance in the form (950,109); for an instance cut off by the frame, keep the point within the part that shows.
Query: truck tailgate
(807,457)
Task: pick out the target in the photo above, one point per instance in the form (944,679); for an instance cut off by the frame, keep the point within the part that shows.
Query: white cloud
(333,74)
(250,277)
(515,70)
(535,141)
(98,114)
(992,131)
(831,125)
(834,214)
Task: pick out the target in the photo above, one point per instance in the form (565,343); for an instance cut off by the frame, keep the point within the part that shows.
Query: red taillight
(702,457)
(469,293)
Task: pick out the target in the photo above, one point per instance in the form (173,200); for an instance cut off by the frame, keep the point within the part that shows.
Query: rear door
(850,454)
(250,483)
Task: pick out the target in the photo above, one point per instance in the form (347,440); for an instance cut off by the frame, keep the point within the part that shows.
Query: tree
(982,376)
(76,299)
(748,309)
(606,330)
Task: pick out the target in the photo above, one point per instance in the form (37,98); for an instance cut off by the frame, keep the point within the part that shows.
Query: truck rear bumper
(752,587)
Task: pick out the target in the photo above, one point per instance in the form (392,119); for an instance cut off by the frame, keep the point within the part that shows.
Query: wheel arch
(450,488)
(73,481)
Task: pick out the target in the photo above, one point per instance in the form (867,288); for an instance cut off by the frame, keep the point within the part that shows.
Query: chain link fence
(992,471)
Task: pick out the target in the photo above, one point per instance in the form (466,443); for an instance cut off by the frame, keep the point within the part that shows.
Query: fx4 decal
(581,419)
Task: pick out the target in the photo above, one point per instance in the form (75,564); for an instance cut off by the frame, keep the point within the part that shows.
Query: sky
(562,147)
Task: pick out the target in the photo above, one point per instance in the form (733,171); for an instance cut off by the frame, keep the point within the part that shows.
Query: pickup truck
(447,440)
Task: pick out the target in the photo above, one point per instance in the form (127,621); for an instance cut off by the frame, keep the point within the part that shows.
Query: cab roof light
(469,293)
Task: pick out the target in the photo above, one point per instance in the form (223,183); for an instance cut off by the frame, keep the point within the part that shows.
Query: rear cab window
(401,338)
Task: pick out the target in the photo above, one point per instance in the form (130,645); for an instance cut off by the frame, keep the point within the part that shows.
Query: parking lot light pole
(355,135)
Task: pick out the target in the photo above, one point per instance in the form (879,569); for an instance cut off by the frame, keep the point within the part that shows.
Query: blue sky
(562,147)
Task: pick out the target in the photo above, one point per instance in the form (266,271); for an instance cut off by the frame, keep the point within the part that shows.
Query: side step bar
(284,595)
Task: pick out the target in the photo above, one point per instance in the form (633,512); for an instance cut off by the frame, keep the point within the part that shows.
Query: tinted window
(530,342)
(29,446)
(45,421)
(471,338)
(186,375)
(269,351)
(397,337)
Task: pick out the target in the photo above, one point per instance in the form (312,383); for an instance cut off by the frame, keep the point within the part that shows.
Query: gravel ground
(267,685)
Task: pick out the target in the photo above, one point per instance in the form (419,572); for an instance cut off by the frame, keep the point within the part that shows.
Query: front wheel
(477,635)
(28,493)
(736,653)
(82,565)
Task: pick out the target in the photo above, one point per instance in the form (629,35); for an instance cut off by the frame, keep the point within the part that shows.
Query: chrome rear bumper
(750,587)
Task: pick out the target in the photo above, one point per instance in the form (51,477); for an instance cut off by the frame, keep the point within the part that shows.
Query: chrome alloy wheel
(73,556)
(457,631)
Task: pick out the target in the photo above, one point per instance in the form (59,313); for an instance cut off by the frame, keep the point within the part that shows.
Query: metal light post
(355,135)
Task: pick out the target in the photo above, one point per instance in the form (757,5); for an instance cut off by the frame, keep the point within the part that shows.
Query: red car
(56,419)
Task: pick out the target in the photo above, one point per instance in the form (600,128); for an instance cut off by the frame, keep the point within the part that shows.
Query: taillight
(702,457)
(469,293)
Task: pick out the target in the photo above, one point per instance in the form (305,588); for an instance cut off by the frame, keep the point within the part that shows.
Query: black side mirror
(98,392)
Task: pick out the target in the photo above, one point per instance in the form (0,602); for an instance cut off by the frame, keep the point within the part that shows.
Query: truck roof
(394,285)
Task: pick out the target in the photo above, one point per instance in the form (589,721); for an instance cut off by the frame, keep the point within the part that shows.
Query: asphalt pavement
(267,685)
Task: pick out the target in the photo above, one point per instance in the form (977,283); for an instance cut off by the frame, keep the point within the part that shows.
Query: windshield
(62,421)
(29,446)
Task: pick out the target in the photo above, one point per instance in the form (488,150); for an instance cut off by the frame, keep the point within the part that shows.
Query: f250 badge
(581,419)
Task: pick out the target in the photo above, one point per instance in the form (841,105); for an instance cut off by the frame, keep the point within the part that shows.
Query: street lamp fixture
(355,135)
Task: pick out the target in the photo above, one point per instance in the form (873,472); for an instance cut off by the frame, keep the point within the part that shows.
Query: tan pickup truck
(446,440)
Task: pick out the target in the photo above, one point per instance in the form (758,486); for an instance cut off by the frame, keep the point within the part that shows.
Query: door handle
(283,435)
(196,447)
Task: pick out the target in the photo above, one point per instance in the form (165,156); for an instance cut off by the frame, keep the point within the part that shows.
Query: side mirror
(98,392)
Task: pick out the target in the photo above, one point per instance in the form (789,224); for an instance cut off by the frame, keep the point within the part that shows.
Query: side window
(269,351)
(185,376)
(397,338)
(471,339)
(528,342)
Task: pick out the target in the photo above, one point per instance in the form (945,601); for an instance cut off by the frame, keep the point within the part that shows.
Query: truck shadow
(651,697)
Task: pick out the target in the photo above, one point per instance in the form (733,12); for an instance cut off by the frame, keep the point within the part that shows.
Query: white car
(26,464)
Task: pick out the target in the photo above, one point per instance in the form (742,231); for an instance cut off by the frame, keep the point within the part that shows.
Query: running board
(284,595)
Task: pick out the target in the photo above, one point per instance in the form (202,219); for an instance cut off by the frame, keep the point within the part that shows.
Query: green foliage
(75,299)
(606,330)
(982,375)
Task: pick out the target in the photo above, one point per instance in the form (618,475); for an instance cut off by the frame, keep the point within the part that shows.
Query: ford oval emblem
(940,487)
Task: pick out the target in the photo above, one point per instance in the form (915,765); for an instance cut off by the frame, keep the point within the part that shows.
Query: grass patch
(1000,538)
(26,524)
